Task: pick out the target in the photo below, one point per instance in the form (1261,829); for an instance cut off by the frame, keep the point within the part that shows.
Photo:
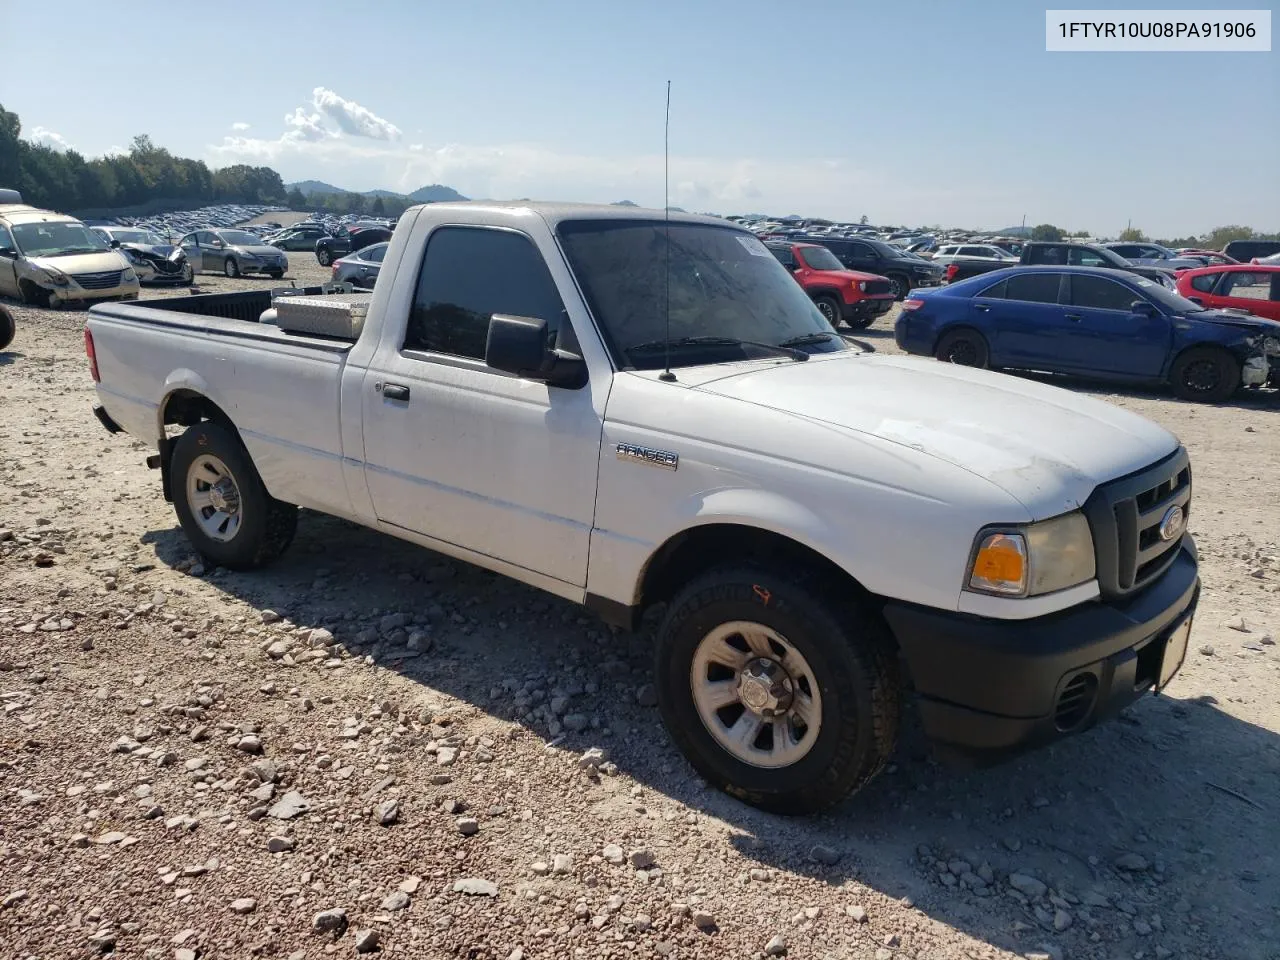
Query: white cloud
(115,150)
(352,118)
(239,125)
(306,127)
(48,138)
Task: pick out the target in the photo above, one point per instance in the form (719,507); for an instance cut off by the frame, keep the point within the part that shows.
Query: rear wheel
(324,257)
(276,274)
(861,323)
(829,307)
(781,693)
(968,348)
(231,268)
(1205,373)
(221,502)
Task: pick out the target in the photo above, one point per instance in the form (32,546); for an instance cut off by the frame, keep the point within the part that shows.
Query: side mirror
(115,244)
(9,253)
(1143,308)
(523,346)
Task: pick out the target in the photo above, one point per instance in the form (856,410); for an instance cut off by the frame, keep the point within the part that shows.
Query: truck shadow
(1179,782)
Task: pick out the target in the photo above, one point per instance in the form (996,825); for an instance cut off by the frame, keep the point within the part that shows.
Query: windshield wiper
(783,349)
(806,339)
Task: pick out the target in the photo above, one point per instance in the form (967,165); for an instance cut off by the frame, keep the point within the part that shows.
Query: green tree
(1219,237)
(296,199)
(863,219)
(1132,235)
(1046,231)
(377,208)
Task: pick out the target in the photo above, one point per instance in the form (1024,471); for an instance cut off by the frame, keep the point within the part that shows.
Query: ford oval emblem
(1171,523)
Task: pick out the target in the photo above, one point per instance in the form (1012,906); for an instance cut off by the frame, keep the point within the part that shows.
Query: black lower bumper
(989,689)
(104,418)
(870,307)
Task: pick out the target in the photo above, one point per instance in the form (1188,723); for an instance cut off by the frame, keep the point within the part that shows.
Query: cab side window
(469,274)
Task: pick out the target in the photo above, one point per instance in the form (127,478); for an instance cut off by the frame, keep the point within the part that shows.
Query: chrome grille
(98,281)
(1125,516)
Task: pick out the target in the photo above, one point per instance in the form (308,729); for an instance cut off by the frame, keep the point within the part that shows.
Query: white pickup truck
(626,412)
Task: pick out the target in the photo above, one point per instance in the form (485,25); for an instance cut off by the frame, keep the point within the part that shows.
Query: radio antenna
(666,376)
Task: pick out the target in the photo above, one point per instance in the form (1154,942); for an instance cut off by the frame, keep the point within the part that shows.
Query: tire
(231,268)
(324,258)
(1206,374)
(901,285)
(188,274)
(8,329)
(830,308)
(965,347)
(276,274)
(844,651)
(34,295)
(257,530)
(861,323)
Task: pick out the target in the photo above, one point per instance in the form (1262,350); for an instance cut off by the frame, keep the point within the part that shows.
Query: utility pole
(1024,223)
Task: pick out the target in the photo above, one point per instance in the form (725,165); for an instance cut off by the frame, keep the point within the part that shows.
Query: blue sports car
(1092,323)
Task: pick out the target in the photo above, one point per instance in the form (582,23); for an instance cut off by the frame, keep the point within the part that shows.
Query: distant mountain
(1014,232)
(314,186)
(624,203)
(435,193)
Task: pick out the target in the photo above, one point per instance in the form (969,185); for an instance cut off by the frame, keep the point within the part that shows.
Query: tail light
(92,355)
(913,304)
(952,270)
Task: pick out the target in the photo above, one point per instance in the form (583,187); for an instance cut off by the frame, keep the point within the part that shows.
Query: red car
(1244,286)
(841,294)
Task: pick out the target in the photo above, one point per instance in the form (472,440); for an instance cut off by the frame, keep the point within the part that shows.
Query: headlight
(55,276)
(1034,559)
(861,285)
(247,256)
(128,276)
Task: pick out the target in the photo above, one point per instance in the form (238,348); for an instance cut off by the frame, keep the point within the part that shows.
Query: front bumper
(263,266)
(868,307)
(989,689)
(59,296)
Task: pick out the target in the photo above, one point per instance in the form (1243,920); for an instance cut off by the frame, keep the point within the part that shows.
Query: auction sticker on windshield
(754,247)
(1182,31)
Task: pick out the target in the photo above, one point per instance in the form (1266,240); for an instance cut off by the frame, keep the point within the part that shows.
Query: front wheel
(968,348)
(221,502)
(324,257)
(8,329)
(231,268)
(829,307)
(1205,373)
(777,692)
(861,323)
(901,285)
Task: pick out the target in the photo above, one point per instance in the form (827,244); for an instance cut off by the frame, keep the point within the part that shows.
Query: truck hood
(1046,447)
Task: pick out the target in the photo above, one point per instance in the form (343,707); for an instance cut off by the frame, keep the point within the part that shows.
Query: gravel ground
(369,747)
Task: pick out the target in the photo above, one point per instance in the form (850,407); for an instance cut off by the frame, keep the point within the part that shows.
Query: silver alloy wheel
(231,268)
(828,311)
(214,498)
(756,694)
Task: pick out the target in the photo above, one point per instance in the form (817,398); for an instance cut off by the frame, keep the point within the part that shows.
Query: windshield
(890,251)
(1166,297)
(57,239)
(820,258)
(136,236)
(239,238)
(723,283)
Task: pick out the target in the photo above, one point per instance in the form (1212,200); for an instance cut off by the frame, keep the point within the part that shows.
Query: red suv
(856,298)
(1246,286)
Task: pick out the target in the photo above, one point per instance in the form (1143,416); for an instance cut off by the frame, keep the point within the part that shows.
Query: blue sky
(908,112)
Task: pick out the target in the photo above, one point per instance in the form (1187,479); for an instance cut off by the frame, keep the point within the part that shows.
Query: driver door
(191,247)
(210,251)
(8,274)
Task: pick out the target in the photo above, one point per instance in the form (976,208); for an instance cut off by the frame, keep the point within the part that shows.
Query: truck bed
(281,389)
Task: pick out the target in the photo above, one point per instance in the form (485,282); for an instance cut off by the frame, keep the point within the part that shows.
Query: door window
(1033,287)
(785,256)
(469,274)
(1204,283)
(1099,293)
(6,238)
(1247,285)
(1078,257)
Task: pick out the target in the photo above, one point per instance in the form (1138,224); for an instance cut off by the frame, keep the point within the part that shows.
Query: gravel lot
(370,747)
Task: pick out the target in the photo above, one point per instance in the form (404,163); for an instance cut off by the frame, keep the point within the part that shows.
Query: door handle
(1074,317)
(395,391)
(982,307)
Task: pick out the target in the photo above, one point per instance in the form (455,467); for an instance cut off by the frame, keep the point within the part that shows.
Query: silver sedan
(360,269)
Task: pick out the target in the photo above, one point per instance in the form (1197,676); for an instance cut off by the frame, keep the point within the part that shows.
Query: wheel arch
(186,403)
(957,327)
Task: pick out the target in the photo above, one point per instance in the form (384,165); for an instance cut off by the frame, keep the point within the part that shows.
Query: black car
(349,240)
(1063,254)
(874,256)
(1246,250)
